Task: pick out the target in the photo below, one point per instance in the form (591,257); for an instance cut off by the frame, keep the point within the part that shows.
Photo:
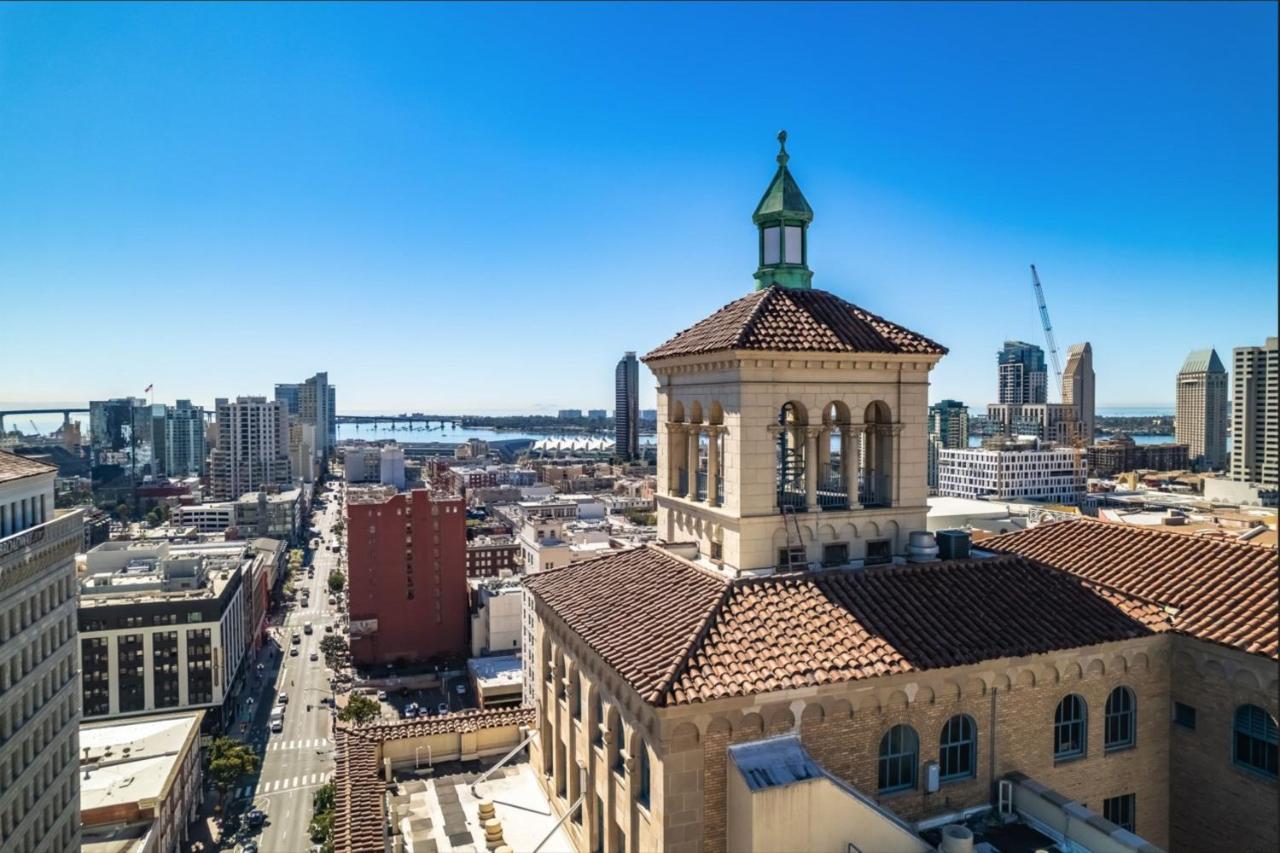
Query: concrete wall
(814,816)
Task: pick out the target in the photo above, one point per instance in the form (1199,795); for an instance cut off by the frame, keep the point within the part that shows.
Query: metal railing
(832,494)
(521,745)
(792,495)
(875,490)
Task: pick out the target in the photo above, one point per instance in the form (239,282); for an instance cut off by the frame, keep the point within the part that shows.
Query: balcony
(832,494)
(875,490)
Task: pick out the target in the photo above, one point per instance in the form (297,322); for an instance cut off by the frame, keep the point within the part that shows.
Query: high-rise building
(253,447)
(1201,415)
(407,573)
(1021,373)
(1255,414)
(948,429)
(1078,388)
(184,450)
(122,447)
(39,705)
(312,402)
(626,411)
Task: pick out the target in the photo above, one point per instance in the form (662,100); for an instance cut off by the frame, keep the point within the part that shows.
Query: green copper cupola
(783,217)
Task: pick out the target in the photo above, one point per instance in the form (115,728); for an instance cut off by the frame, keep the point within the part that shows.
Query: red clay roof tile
(1222,591)
(783,319)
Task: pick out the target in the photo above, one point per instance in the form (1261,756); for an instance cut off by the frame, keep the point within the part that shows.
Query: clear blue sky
(480,207)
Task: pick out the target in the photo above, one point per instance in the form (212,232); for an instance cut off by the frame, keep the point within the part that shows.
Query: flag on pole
(147,390)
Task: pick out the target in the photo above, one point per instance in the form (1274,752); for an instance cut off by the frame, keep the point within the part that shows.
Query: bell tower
(782,217)
(792,425)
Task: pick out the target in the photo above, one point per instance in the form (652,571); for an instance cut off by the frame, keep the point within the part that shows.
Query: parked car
(442,708)
(382,695)
(283,699)
(314,656)
(293,652)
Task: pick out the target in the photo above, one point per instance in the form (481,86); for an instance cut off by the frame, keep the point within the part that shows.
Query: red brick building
(408,581)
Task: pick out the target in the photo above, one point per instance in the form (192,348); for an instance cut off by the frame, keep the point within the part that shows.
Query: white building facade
(1054,475)
(39,708)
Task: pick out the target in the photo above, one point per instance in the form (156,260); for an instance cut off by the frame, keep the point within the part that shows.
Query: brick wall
(1210,797)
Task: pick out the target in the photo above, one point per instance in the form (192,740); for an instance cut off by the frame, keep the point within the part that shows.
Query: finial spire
(783,156)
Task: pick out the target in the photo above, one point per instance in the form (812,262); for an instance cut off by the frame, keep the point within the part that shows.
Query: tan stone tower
(792,425)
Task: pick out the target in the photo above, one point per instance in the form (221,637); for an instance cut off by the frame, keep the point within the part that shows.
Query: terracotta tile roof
(358,817)
(681,634)
(15,467)
(790,320)
(640,610)
(1224,591)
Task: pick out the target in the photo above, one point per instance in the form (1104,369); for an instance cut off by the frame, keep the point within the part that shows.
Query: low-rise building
(164,626)
(549,542)
(496,681)
(496,611)
(492,556)
(1121,453)
(141,783)
(275,514)
(1054,475)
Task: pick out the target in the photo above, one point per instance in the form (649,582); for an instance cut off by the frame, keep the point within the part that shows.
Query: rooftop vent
(922,548)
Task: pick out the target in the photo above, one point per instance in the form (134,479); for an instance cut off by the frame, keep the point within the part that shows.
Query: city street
(298,760)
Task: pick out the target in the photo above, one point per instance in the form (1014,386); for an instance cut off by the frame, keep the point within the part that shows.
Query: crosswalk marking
(308,780)
(307,743)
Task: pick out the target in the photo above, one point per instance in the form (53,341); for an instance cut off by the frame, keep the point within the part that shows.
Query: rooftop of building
(1201,361)
(1217,590)
(681,633)
(159,571)
(496,670)
(14,467)
(781,319)
(128,761)
(358,813)
(282,496)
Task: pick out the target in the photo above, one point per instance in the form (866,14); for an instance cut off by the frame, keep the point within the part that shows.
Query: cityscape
(791,584)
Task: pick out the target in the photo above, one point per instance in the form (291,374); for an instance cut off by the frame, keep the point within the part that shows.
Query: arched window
(1255,740)
(642,774)
(1121,720)
(1070,723)
(597,720)
(615,730)
(899,754)
(956,748)
(792,420)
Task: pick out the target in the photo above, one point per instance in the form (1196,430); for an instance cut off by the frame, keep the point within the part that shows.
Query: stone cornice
(753,359)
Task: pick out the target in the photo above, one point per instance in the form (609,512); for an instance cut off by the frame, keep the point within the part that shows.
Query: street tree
(360,709)
(336,581)
(229,759)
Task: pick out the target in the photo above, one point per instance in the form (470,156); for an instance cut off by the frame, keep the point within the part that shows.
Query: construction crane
(1048,330)
(34,428)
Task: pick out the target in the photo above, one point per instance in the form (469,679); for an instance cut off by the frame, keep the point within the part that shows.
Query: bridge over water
(65,412)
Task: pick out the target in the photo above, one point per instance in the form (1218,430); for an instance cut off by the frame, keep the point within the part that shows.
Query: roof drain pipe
(521,745)
(577,804)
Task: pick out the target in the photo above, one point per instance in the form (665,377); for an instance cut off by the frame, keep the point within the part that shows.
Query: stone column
(895,430)
(693,432)
(674,432)
(849,435)
(713,465)
(811,467)
(824,454)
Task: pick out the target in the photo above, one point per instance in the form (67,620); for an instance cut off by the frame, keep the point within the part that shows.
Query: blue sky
(480,207)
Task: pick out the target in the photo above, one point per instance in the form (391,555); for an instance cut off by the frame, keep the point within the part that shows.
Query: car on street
(442,708)
(283,699)
(306,628)
(328,629)
(293,652)
(314,655)
(382,695)
(297,638)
